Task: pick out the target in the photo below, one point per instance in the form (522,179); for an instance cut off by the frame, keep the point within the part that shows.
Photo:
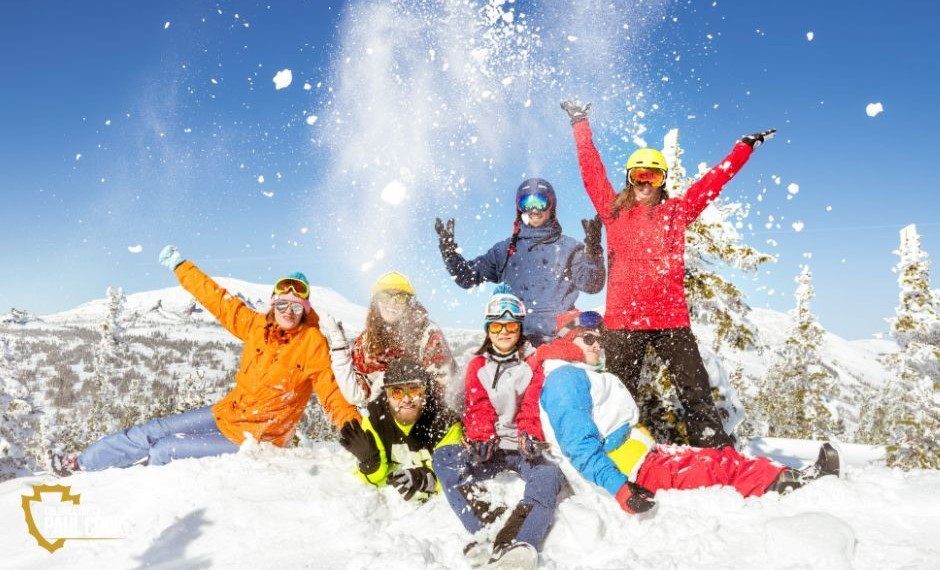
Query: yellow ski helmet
(393,281)
(647,158)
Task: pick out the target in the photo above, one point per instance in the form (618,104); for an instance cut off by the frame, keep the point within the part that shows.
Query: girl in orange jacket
(284,360)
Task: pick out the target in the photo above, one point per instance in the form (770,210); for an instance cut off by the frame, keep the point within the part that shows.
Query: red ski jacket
(502,399)
(646,244)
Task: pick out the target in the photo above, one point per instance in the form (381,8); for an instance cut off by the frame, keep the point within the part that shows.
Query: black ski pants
(625,350)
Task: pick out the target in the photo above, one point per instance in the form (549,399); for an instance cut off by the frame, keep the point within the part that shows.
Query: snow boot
(63,465)
(827,463)
(506,537)
(515,556)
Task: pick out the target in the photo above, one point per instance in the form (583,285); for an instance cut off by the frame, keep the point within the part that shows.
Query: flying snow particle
(873,109)
(572,38)
(311,119)
(166,25)
(810,36)
(507,80)
(307,87)
(304,230)
(107,123)
(261,179)
(394,193)
(366,266)
(776,179)
(78,156)
(268,194)
(528,103)
(282,79)
(828,208)
(135,248)
(793,188)
(797,226)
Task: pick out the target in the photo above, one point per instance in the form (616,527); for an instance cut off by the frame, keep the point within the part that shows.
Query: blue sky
(195,120)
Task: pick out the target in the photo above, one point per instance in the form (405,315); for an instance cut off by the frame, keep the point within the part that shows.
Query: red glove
(634,498)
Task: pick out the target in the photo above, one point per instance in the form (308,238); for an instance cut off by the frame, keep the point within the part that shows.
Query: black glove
(576,112)
(635,498)
(592,236)
(445,235)
(482,450)
(531,448)
(412,481)
(758,139)
(361,444)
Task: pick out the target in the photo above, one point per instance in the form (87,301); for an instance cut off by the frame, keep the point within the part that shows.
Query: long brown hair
(406,333)
(626,199)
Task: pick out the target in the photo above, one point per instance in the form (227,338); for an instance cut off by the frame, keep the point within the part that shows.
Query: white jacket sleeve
(341,361)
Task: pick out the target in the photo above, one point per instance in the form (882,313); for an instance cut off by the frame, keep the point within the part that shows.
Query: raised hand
(530,447)
(576,111)
(445,234)
(758,139)
(170,257)
(335,333)
(592,236)
(482,450)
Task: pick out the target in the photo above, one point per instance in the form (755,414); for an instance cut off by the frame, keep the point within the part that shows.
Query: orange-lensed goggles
(652,176)
(498,327)
(400,391)
(295,286)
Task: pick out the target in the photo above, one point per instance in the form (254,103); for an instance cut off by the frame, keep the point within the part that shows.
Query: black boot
(506,537)
(828,463)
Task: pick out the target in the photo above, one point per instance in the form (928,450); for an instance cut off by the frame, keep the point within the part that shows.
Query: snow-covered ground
(303,508)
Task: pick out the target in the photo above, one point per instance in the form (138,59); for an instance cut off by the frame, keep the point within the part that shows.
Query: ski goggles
(537,201)
(501,307)
(590,338)
(590,320)
(285,306)
(652,176)
(497,327)
(397,297)
(413,391)
(295,286)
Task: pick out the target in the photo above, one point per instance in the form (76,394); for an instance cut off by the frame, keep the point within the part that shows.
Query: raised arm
(707,188)
(587,263)
(231,312)
(566,398)
(471,273)
(593,173)
(337,408)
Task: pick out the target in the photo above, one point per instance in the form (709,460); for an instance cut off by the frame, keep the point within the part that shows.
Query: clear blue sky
(180,159)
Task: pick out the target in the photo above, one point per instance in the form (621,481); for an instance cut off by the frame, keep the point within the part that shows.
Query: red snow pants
(683,467)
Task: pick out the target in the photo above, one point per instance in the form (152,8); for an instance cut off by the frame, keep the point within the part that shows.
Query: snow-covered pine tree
(106,413)
(795,397)
(713,300)
(905,415)
(19,420)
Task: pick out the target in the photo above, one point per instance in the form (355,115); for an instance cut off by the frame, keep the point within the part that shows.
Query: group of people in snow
(550,394)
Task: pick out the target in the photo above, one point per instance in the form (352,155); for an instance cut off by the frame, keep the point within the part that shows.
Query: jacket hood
(558,349)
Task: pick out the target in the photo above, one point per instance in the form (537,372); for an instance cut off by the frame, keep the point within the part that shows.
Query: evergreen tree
(905,415)
(106,411)
(796,396)
(19,420)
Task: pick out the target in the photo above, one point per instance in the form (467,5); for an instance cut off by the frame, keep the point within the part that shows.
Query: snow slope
(303,508)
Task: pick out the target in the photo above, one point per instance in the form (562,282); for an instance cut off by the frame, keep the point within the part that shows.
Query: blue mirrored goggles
(529,202)
(504,307)
(588,320)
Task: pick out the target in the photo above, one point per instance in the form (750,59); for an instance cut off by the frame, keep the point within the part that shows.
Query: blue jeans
(190,434)
(455,467)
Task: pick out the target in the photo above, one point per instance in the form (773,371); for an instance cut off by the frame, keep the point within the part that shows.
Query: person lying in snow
(590,416)
(646,302)
(405,424)
(284,360)
(502,433)
(397,326)
(546,269)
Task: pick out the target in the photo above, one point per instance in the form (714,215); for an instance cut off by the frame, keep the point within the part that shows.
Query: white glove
(334,332)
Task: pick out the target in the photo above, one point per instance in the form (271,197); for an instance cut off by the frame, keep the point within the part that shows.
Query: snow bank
(271,508)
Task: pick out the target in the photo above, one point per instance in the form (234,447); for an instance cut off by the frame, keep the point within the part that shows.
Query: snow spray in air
(440,107)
